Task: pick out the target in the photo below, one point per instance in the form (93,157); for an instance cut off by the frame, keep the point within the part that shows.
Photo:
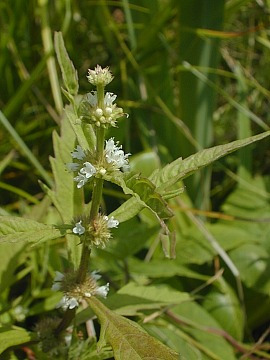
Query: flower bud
(99,76)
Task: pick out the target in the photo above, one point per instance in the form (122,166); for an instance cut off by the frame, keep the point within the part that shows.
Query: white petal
(72,303)
(88,170)
(72,166)
(78,153)
(95,275)
(112,223)
(81,179)
(92,98)
(78,229)
(103,290)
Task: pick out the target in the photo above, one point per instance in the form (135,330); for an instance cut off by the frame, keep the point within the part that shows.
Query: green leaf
(10,255)
(180,169)
(253,263)
(223,304)
(200,321)
(14,229)
(138,235)
(67,199)
(13,336)
(127,338)
(144,191)
(69,73)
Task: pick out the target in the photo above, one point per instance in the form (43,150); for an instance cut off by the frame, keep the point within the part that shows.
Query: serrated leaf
(144,191)
(67,199)
(14,229)
(180,169)
(127,338)
(167,177)
(69,74)
(79,129)
(13,336)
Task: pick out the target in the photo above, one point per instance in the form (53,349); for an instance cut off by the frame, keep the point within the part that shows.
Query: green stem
(97,192)
(96,200)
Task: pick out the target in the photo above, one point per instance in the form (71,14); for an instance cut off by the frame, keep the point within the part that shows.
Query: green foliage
(12,336)
(69,74)
(127,339)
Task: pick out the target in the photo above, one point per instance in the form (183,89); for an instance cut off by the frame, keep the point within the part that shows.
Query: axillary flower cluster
(94,230)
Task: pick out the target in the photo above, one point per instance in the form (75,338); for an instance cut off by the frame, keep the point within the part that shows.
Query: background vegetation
(191,74)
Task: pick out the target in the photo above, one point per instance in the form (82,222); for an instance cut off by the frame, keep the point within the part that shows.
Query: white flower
(81,180)
(115,155)
(109,99)
(78,229)
(78,153)
(56,286)
(88,170)
(73,166)
(95,275)
(103,290)
(111,222)
(67,303)
(92,98)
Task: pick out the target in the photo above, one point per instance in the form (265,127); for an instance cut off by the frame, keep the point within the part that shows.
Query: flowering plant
(84,160)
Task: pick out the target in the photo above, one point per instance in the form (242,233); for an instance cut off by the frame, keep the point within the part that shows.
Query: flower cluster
(74,292)
(99,76)
(106,115)
(87,167)
(97,231)
(115,155)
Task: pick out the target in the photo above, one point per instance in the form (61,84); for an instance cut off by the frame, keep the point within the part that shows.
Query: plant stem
(97,192)
(96,200)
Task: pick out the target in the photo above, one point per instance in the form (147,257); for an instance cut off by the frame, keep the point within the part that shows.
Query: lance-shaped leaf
(179,169)
(15,229)
(127,339)
(144,191)
(69,74)
(166,178)
(67,199)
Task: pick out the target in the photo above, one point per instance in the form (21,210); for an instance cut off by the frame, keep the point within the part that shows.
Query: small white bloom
(67,303)
(99,76)
(87,294)
(92,98)
(103,290)
(115,155)
(99,112)
(112,223)
(56,286)
(102,171)
(78,229)
(81,180)
(88,170)
(95,275)
(109,99)
(108,111)
(78,153)
(73,166)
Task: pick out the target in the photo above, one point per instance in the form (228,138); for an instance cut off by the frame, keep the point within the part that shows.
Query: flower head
(115,155)
(78,153)
(67,303)
(74,292)
(99,76)
(78,229)
(111,222)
